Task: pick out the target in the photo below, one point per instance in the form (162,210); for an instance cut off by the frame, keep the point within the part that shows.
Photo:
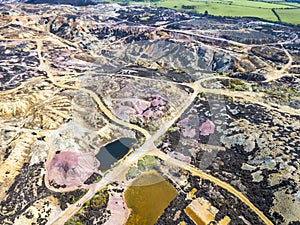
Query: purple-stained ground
(150,108)
(72,168)
(207,128)
(189,126)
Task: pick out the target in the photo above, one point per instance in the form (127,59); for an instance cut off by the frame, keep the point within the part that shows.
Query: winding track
(148,147)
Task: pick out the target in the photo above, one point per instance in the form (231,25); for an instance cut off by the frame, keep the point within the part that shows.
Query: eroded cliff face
(213,104)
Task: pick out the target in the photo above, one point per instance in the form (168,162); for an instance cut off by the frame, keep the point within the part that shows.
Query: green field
(289,11)
(289,16)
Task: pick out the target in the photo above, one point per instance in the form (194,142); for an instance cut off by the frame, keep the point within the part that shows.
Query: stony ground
(213,104)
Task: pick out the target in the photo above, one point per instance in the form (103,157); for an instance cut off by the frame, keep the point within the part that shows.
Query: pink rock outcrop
(118,209)
(72,168)
(207,128)
(158,101)
(151,108)
(188,127)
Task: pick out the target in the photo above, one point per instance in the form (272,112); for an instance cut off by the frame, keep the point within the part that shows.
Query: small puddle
(112,152)
(147,197)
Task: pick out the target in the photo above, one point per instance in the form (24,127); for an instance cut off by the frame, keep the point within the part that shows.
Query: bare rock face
(71,168)
(206,94)
(207,128)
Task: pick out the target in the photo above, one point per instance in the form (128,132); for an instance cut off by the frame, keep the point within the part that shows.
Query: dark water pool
(114,151)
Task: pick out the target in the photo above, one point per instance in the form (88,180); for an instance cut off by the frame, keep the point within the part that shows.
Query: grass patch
(91,209)
(288,11)
(145,164)
(235,85)
(289,15)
